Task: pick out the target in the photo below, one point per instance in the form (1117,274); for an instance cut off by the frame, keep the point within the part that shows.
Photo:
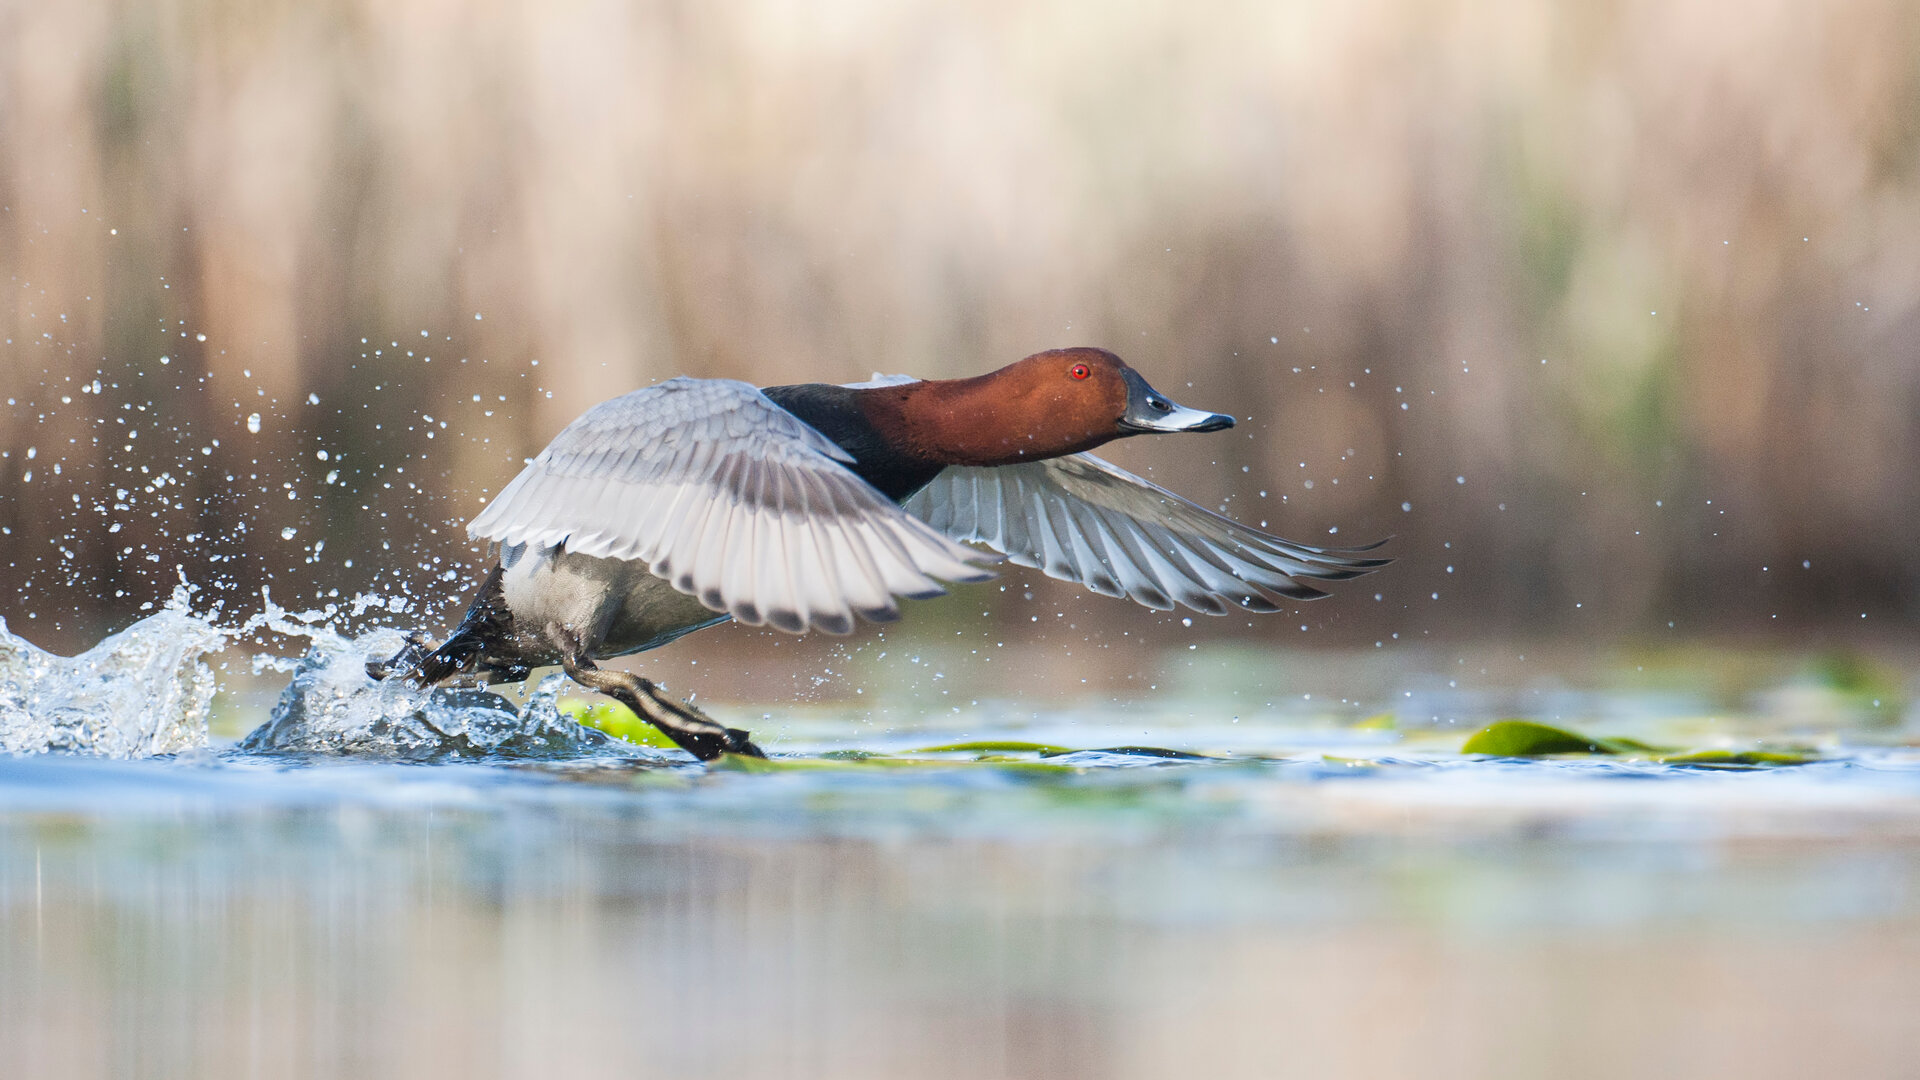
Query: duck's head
(1053,403)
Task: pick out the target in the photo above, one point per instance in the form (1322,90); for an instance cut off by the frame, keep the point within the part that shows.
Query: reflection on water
(1314,898)
(225,918)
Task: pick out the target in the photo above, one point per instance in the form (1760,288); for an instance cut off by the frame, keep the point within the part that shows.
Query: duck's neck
(982,421)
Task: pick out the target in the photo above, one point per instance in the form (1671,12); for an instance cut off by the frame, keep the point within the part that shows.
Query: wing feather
(1081,519)
(733,500)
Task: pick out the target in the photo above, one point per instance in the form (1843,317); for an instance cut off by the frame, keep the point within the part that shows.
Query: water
(378,881)
(141,692)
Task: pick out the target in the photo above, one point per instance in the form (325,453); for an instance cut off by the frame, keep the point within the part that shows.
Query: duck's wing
(1081,519)
(734,501)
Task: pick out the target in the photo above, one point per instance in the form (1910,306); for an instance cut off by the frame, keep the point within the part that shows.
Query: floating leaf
(1524,738)
(616,720)
(1740,759)
(730,762)
(990,747)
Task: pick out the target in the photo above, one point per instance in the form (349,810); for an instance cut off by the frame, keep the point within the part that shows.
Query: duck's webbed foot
(485,623)
(408,659)
(690,729)
(461,654)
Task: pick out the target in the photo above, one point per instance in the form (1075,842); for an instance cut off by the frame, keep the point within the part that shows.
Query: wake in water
(149,690)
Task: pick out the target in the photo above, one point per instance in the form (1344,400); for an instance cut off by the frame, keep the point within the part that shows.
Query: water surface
(382,883)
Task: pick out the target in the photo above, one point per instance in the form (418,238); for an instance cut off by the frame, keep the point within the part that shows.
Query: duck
(810,507)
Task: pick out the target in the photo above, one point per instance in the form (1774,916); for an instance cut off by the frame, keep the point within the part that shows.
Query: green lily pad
(1740,759)
(1525,738)
(616,720)
(991,747)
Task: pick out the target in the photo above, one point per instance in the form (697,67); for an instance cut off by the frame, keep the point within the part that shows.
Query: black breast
(832,412)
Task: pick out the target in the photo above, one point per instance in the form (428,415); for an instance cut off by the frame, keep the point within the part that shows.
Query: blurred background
(1608,312)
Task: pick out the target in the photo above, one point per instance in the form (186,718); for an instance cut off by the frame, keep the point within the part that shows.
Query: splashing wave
(148,691)
(331,707)
(140,692)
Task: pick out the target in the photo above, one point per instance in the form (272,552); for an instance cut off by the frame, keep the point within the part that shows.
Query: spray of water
(146,690)
(149,691)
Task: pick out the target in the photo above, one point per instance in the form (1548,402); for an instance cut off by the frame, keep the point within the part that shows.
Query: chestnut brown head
(1058,402)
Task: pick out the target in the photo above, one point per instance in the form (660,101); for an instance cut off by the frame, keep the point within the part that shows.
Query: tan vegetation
(1616,259)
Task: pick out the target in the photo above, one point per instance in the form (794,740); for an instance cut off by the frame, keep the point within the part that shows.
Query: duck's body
(616,606)
(681,505)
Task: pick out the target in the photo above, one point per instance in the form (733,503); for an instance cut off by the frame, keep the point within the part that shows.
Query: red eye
(1079,371)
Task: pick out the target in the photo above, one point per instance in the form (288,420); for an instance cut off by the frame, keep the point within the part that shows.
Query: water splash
(331,707)
(140,692)
(148,691)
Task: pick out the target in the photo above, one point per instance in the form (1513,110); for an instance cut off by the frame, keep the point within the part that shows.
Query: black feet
(485,633)
(409,658)
(429,666)
(689,728)
(707,747)
(486,624)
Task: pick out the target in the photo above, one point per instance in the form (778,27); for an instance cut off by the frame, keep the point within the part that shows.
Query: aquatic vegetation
(989,746)
(1527,739)
(149,691)
(616,720)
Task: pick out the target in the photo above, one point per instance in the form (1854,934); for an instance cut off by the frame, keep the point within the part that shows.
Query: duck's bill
(1150,410)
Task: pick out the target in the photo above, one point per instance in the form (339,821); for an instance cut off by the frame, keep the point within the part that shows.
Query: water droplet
(253,423)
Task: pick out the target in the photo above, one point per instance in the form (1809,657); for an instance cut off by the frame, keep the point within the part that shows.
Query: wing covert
(734,501)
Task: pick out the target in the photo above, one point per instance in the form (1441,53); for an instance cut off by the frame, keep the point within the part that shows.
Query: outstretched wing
(733,500)
(1080,519)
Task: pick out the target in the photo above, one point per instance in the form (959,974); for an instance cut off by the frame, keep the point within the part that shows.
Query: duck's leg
(690,729)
